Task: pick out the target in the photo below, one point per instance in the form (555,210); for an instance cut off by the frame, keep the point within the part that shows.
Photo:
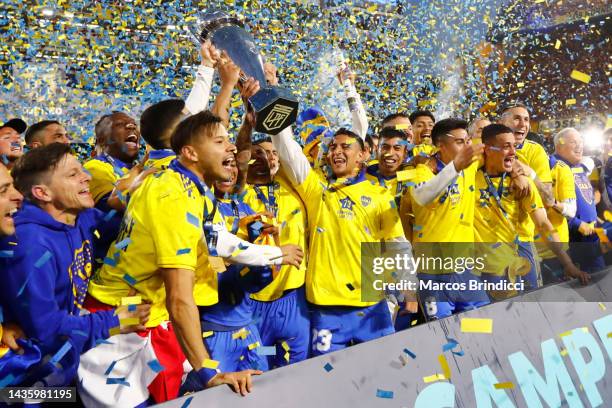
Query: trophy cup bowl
(275,107)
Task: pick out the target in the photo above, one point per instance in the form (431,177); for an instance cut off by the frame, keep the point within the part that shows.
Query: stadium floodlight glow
(592,138)
(48,12)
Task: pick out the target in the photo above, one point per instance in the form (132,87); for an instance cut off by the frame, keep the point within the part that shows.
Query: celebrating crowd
(205,262)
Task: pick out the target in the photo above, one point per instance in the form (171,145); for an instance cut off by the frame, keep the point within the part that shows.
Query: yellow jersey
(391,184)
(563,189)
(450,217)
(498,227)
(281,200)
(340,217)
(160,159)
(162,228)
(533,155)
(104,171)
(423,150)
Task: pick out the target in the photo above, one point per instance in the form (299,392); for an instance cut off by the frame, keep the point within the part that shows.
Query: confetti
(187,402)
(254,345)
(193,220)
(44,258)
(410,353)
(110,368)
(350,287)
(110,215)
(241,334)
(433,378)
(445,368)
(384,394)
(130,321)
(131,300)
(504,386)
(6,254)
(266,351)
(474,325)
(123,244)
(129,279)
(156,366)
(207,334)
(450,345)
(580,76)
(61,353)
(118,381)
(328,367)
(211,364)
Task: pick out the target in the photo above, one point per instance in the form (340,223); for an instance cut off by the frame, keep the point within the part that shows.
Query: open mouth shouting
(131,142)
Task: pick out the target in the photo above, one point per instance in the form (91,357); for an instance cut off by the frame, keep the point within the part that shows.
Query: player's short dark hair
(190,128)
(509,105)
(31,168)
(444,126)
(369,141)
(391,133)
(490,132)
(34,130)
(158,119)
(261,140)
(394,116)
(417,114)
(350,133)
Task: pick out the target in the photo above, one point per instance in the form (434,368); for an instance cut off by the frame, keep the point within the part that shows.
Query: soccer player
(422,124)
(536,166)
(584,242)
(46,278)
(441,200)
(161,254)
(10,141)
(391,154)
(117,144)
(46,132)
(475,129)
(343,212)
(499,213)
(279,308)
(563,208)
(399,121)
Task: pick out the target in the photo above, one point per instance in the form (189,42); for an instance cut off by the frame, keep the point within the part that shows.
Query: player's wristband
(206,374)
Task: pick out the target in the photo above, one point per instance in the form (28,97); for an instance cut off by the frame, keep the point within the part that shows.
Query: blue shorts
(438,304)
(284,320)
(533,279)
(234,354)
(335,327)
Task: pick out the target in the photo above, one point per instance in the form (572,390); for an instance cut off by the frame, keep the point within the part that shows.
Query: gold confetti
(474,325)
(433,378)
(131,300)
(254,345)
(580,76)
(570,102)
(504,386)
(207,334)
(130,321)
(212,364)
(445,368)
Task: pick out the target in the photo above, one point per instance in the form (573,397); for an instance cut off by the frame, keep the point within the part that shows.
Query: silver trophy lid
(208,21)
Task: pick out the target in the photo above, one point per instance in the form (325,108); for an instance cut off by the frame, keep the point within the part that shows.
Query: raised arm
(291,156)
(197,101)
(359,119)
(229,73)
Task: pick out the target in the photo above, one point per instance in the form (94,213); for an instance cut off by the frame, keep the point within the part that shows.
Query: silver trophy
(275,107)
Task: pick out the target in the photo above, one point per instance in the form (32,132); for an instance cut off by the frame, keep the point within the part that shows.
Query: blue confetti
(8,380)
(60,353)
(110,215)
(119,381)
(43,259)
(110,368)
(131,308)
(266,351)
(328,367)
(193,220)
(156,366)
(6,254)
(458,353)
(110,261)
(384,394)
(187,402)
(183,251)
(450,345)
(129,279)
(242,246)
(417,227)
(122,244)
(410,353)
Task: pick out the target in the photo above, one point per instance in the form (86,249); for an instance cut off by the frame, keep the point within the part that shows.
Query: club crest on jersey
(346,204)
(365,200)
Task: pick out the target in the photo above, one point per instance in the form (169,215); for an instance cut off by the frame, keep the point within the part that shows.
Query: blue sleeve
(103,229)
(31,295)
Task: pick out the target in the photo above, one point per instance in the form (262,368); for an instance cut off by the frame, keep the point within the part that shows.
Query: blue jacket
(45,270)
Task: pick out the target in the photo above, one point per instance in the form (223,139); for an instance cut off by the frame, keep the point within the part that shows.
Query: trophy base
(275,107)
